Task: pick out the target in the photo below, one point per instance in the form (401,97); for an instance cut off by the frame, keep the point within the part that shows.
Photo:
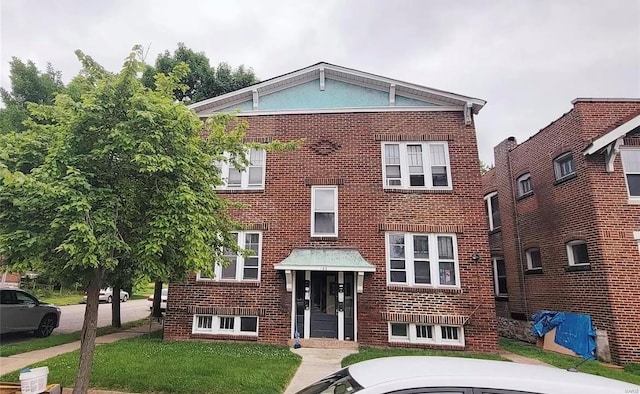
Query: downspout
(523,285)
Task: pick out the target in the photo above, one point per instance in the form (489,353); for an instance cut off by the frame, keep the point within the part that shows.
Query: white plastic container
(34,381)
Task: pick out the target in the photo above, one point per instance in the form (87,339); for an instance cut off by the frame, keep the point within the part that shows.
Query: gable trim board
(343,110)
(393,88)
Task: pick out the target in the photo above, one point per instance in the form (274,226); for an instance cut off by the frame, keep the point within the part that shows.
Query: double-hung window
(493,211)
(631,165)
(564,166)
(416,165)
(252,177)
(524,185)
(225,325)
(241,267)
(422,260)
(324,211)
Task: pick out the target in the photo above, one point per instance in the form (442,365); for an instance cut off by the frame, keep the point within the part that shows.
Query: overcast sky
(528,59)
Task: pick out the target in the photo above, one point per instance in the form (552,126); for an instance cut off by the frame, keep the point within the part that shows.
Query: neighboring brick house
(564,219)
(366,233)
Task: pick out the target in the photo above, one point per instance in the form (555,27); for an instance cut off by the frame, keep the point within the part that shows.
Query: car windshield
(340,382)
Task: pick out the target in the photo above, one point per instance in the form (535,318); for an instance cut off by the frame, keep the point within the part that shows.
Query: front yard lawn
(367,353)
(32,344)
(142,365)
(565,362)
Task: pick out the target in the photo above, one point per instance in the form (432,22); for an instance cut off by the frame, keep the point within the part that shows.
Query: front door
(324,305)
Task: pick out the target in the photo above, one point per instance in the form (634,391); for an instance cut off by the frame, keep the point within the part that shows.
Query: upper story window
(631,165)
(534,260)
(239,267)
(252,177)
(493,210)
(524,185)
(324,211)
(564,166)
(422,259)
(416,165)
(500,277)
(577,252)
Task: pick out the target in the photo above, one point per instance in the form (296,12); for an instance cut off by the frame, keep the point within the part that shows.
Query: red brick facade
(354,164)
(591,206)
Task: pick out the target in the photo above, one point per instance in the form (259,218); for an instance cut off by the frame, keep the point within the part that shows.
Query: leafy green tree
(203,81)
(125,182)
(28,85)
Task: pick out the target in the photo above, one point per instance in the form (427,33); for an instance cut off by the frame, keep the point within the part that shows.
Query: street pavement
(73,315)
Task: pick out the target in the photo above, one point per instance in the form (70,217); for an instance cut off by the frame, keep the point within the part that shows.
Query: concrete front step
(325,343)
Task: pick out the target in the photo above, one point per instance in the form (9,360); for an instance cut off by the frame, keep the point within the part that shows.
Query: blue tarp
(574,330)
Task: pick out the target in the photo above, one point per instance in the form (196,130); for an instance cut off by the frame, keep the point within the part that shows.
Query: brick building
(366,233)
(564,221)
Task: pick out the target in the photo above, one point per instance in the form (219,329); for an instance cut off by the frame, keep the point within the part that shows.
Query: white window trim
(530,260)
(570,246)
(426,163)
(520,180)
(217,270)
(556,166)
(437,335)
(495,276)
(313,211)
(434,266)
(636,237)
(244,175)
(489,207)
(632,199)
(215,326)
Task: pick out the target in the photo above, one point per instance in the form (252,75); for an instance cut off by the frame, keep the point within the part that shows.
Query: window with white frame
(524,185)
(416,165)
(426,333)
(239,267)
(534,259)
(500,277)
(324,211)
(422,259)
(636,236)
(577,252)
(493,211)
(229,325)
(631,165)
(252,177)
(564,166)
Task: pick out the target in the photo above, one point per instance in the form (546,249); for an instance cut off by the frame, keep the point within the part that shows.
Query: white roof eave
(619,132)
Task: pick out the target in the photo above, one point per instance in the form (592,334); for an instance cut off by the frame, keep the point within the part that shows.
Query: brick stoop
(326,343)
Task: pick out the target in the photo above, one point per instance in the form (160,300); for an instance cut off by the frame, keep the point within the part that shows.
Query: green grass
(632,368)
(564,361)
(59,299)
(59,339)
(367,353)
(142,365)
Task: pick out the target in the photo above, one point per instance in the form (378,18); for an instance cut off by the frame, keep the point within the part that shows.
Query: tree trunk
(88,340)
(157,298)
(116,321)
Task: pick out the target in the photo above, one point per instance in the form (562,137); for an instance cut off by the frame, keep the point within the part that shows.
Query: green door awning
(336,259)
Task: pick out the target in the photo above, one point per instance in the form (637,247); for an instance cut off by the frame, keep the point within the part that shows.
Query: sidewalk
(316,364)
(19,361)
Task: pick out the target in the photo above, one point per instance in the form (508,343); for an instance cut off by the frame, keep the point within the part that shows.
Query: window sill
(578,268)
(415,289)
(227,337)
(239,191)
(565,179)
(633,201)
(495,230)
(533,271)
(228,283)
(419,191)
(502,298)
(333,238)
(524,196)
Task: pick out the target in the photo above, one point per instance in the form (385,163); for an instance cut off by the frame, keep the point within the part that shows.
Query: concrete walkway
(19,361)
(316,364)
(516,358)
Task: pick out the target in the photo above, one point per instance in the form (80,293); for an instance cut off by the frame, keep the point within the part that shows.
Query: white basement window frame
(251,178)
(425,333)
(422,260)
(324,211)
(493,211)
(225,325)
(631,166)
(240,268)
(416,165)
